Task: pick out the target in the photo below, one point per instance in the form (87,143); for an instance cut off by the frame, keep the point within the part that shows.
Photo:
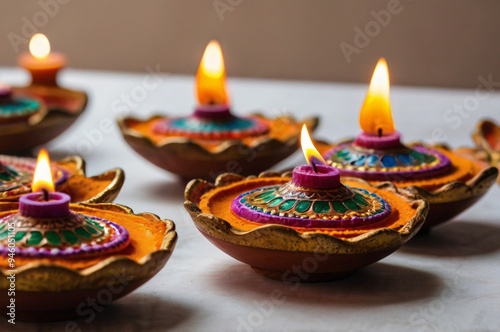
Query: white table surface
(448,280)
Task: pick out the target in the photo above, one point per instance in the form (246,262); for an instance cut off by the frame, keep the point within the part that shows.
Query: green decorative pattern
(49,236)
(396,165)
(291,201)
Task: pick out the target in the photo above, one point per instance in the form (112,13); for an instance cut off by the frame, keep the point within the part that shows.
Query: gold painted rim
(278,237)
(482,143)
(111,191)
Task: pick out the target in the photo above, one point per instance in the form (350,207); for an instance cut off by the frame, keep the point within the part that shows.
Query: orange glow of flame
(43,174)
(308,147)
(211,77)
(376,117)
(39,46)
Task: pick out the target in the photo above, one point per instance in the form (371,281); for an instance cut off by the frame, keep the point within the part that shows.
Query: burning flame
(43,174)
(211,77)
(308,147)
(39,46)
(376,117)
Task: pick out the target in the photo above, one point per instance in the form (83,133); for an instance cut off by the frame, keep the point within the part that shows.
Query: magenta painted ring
(384,142)
(327,177)
(212,112)
(33,205)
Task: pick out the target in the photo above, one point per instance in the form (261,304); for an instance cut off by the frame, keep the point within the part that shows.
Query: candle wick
(314,166)
(379,132)
(45,194)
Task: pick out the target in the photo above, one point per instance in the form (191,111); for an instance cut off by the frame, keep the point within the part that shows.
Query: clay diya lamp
(60,260)
(447,180)
(487,139)
(213,140)
(15,108)
(16,174)
(307,226)
(47,109)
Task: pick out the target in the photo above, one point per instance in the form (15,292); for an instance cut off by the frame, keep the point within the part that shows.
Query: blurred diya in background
(487,139)
(60,255)
(304,226)
(212,140)
(16,174)
(450,182)
(15,108)
(35,114)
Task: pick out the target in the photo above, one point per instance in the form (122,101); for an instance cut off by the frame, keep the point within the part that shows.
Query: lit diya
(16,174)
(305,226)
(212,140)
(35,114)
(450,182)
(63,258)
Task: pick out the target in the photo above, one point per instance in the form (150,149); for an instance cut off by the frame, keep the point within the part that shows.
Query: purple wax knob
(327,177)
(212,112)
(34,205)
(384,142)
(5,91)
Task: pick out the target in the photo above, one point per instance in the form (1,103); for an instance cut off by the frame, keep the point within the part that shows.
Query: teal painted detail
(53,238)
(70,237)
(303,206)
(19,235)
(287,205)
(339,207)
(275,202)
(321,207)
(35,238)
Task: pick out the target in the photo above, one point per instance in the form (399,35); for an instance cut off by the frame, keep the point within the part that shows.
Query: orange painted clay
(146,234)
(279,129)
(462,170)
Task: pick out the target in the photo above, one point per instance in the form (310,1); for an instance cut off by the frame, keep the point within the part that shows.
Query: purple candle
(326,177)
(212,112)
(384,142)
(34,205)
(5,91)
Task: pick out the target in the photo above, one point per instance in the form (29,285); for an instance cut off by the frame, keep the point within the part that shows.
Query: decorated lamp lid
(377,153)
(16,108)
(46,227)
(315,197)
(212,118)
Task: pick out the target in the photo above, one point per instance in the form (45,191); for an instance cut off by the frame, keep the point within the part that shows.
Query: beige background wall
(426,42)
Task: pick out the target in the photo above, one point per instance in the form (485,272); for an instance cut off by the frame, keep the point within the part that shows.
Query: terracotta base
(440,213)
(35,306)
(290,266)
